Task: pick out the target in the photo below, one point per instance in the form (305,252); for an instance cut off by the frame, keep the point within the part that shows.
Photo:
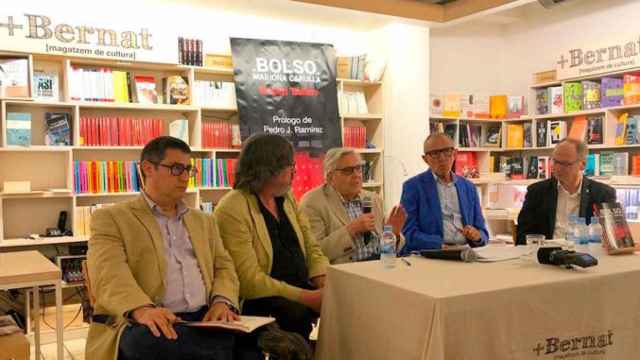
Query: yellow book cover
(498,106)
(120,88)
(621,127)
(515,136)
(452,106)
(192,180)
(492,163)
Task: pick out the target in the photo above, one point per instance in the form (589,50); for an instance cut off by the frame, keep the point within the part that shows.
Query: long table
(437,310)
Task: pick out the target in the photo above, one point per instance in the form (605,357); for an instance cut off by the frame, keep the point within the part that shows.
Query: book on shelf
(436,106)
(616,231)
(557,130)
(353,102)
(246,324)
(498,106)
(592,165)
(215,94)
(452,107)
(176,90)
(351,67)
(466,105)
(19,128)
(46,85)
(355,136)
(621,164)
(635,165)
(572,96)
(118,131)
(58,126)
(82,219)
(556,100)
(146,92)
(629,198)
(516,106)
(544,167)
(631,133)
(14,77)
(112,176)
(578,129)
(591,95)
(515,135)
(631,88)
(621,127)
(474,134)
(482,106)
(541,133)
(611,91)
(527,135)
(516,169)
(491,135)
(450,130)
(594,130)
(542,101)
(466,164)
(532,167)
(220,134)
(190,51)
(179,129)
(607,163)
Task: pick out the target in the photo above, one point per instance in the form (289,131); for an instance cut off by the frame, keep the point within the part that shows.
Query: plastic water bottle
(595,237)
(388,248)
(571,231)
(582,236)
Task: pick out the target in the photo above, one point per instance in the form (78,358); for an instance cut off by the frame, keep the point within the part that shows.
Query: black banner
(287,88)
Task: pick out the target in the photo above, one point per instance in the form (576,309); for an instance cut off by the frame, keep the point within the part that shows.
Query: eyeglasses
(349,170)
(564,163)
(446,152)
(178,169)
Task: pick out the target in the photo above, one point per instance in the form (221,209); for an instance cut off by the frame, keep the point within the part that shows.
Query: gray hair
(262,157)
(332,157)
(581,148)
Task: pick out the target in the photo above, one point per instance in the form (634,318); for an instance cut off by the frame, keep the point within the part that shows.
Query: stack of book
(190,51)
(355,137)
(478,106)
(111,176)
(82,219)
(627,129)
(351,67)
(107,85)
(118,131)
(218,94)
(14,77)
(352,102)
(607,163)
(221,134)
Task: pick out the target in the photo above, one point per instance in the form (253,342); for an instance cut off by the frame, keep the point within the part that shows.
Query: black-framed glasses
(349,170)
(446,152)
(564,163)
(178,169)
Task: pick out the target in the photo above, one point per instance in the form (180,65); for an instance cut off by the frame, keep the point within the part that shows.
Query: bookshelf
(50,169)
(501,213)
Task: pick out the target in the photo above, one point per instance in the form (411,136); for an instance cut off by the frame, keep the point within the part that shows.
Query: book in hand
(616,233)
(246,324)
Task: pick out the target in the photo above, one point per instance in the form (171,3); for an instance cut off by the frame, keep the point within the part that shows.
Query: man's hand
(220,312)
(471,233)
(319,281)
(397,218)
(312,299)
(364,223)
(157,320)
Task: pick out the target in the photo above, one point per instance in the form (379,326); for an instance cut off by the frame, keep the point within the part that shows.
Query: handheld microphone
(367,207)
(557,256)
(465,254)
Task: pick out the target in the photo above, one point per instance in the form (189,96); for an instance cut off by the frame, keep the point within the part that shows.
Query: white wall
(487,57)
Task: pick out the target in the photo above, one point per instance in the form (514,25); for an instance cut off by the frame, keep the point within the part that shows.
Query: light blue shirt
(184,284)
(451,217)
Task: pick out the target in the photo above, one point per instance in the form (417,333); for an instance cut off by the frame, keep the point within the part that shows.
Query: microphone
(557,256)
(465,254)
(367,207)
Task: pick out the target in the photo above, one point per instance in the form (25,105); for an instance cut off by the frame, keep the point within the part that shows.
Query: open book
(247,324)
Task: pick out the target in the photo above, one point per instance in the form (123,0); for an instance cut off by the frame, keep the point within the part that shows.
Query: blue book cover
(590,166)
(19,128)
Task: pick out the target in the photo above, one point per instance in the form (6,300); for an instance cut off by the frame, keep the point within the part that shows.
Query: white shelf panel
(372,184)
(362,116)
(37,195)
(36,148)
(354,82)
(84,195)
(84,148)
(216,188)
(573,114)
(368,151)
(134,106)
(22,242)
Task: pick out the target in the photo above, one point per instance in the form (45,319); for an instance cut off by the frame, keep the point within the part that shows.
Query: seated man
(335,211)
(280,266)
(549,203)
(442,209)
(153,261)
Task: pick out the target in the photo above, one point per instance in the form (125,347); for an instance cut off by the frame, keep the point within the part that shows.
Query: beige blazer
(329,219)
(126,264)
(245,235)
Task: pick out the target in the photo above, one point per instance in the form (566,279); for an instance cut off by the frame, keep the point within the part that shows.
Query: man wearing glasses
(153,261)
(442,209)
(336,213)
(549,203)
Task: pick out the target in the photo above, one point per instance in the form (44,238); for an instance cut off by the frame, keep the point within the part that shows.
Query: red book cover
(94,177)
(127,175)
(92,130)
(216,135)
(128,131)
(227,126)
(135,137)
(83,131)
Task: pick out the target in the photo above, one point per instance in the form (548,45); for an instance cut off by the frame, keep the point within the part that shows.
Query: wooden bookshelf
(44,205)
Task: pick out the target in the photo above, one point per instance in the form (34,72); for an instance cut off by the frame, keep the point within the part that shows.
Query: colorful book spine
(105,176)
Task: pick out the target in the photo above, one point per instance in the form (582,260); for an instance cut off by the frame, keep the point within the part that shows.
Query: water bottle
(571,231)
(582,236)
(388,248)
(595,237)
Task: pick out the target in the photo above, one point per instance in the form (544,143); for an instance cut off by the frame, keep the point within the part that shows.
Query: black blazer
(538,214)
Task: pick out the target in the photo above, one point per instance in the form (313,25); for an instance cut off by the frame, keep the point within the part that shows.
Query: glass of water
(534,242)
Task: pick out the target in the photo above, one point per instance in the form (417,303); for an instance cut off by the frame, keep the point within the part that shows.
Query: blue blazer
(423,228)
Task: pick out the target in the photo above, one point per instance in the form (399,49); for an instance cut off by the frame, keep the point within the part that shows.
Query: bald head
(436,141)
